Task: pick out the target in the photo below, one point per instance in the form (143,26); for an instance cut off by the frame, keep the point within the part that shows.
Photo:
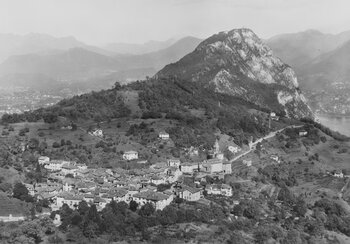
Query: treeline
(336,135)
(121,220)
(99,106)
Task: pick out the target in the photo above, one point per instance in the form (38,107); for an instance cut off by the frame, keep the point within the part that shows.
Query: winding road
(271,134)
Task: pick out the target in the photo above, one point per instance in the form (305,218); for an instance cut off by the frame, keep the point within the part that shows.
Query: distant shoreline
(340,116)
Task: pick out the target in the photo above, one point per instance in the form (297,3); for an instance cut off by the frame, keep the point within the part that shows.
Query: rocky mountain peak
(238,63)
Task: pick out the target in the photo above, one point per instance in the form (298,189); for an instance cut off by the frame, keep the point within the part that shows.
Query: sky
(98,22)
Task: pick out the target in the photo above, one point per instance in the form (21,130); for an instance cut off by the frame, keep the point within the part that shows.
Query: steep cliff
(238,63)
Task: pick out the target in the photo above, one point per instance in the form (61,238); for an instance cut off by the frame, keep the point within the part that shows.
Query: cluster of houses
(70,183)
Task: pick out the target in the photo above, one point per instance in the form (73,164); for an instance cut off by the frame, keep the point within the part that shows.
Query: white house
(234,149)
(212,165)
(173,162)
(227,167)
(130,155)
(96,132)
(173,174)
(275,157)
(164,136)
(42,160)
(159,200)
(188,167)
(303,133)
(273,116)
(71,200)
(188,193)
(30,188)
(81,166)
(157,180)
(223,189)
(338,173)
(69,169)
(120,195)
(55,165)
(247,163)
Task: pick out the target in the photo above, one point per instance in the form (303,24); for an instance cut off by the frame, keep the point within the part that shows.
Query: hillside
(331,67)
(238,63)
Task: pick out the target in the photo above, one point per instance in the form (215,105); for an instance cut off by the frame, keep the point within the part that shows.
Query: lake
(340,124)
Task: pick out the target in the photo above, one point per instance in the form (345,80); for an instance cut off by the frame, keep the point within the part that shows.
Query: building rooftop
(152,196)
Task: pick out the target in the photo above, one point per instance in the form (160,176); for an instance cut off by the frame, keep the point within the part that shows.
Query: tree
(83,207)
(33,143)
(117,86)
(56,144)
(300,207)
(168,215)
(50,118)
(147,210)
(55,239)
(20,191)
(133,205)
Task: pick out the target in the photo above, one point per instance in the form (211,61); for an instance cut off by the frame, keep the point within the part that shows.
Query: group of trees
(28,232)
(119,220)
(103,105)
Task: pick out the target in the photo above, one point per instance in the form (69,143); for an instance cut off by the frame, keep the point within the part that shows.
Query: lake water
(340,124)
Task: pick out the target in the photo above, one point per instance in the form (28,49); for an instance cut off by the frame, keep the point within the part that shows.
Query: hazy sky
(102,21)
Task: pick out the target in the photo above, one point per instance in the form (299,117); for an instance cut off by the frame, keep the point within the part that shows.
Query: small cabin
(164,136)
(130,155)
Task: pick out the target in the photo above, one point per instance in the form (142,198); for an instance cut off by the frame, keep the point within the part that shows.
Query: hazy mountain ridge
(80,64)
(160,58)
(297,49)
(76,63)
(37,43)
(238,63)
(138,49)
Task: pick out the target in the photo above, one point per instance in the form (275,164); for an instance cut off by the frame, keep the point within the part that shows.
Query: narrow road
(270,135)
(344,187)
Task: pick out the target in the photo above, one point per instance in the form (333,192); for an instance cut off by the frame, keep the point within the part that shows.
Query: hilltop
(238,63)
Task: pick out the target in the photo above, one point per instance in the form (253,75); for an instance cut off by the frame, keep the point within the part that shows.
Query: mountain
(159,59)
(329,68)
(36,43)
(238,63)
(75,63)
(138,49)
(297,49)
(79,64)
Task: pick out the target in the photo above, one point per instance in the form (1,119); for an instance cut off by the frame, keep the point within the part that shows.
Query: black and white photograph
(175,121)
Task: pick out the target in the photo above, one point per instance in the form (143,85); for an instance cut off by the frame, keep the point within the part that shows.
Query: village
(70,183)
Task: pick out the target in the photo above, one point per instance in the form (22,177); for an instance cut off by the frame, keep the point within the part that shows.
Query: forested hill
(187,103)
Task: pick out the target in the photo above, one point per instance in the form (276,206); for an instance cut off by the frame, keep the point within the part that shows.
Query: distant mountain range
(297,49)
(68,60)
(35,43)
(138,49)
(318,59)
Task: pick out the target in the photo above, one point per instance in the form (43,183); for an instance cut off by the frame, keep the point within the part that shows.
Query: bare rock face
(238,63)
